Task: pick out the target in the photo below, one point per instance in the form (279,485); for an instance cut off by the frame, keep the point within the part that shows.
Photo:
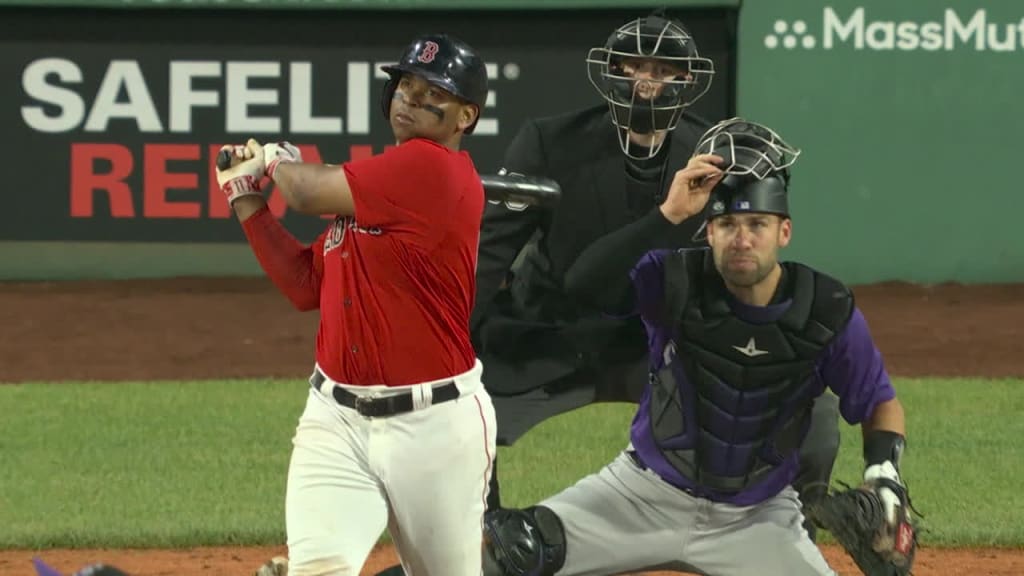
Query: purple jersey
(851,366)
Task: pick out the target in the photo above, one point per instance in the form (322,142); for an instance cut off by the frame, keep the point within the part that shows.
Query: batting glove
(243,177)
(275,153)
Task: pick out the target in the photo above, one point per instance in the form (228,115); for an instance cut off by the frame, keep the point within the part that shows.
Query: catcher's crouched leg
(527,542)
(818,457)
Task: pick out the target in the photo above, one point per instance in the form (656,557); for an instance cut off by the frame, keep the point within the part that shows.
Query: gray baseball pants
(625,518)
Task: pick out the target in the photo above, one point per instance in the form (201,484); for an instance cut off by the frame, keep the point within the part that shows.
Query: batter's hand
(691,187)
(246,171)
(275,153)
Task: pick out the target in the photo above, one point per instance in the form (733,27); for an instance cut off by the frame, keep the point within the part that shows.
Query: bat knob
(224,160)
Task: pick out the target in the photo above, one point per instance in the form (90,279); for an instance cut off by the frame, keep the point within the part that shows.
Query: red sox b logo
(428,52)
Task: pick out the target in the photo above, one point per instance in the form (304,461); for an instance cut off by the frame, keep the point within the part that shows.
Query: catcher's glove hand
(872,522)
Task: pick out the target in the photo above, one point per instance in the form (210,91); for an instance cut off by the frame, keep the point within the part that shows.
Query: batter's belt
(381,406)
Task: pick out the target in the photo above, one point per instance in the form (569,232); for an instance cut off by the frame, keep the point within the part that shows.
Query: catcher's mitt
(856,518)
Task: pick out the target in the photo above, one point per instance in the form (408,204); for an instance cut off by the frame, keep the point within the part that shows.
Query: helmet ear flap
(387,96)
(469,129)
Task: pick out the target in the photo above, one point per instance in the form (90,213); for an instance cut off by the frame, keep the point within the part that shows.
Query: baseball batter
(740,346)
(397,431)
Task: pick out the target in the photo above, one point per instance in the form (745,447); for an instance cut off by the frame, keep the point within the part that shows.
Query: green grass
(204,463)
(155,464)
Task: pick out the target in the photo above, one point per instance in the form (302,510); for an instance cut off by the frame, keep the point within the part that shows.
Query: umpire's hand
(691,187)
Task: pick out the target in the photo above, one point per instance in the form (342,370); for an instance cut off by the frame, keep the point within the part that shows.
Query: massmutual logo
(949,30)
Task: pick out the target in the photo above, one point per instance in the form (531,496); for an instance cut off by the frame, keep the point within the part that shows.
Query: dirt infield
(205,328)
(243,561)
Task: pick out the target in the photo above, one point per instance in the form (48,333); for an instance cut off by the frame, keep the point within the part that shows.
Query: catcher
(741,345)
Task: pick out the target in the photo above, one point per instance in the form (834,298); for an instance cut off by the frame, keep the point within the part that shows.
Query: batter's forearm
(292,182)
(245,206)
(315,188)
(287,263)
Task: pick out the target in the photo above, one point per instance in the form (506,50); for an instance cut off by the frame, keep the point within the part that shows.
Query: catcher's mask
(629,97)
(446,62)
(756,164)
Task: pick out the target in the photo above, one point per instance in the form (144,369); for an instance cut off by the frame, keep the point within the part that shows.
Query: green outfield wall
(446,5)
(909,115)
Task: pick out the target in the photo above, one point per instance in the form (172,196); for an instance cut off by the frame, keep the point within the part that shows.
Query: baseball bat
(532,190)
(223,160)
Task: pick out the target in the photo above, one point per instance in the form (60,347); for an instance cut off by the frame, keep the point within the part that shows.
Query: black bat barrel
(534,190)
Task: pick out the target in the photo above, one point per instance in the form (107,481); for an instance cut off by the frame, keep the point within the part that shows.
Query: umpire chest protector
(732,398)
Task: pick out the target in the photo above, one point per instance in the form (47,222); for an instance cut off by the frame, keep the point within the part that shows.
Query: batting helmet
(444,61)
(650,37)
(756,166)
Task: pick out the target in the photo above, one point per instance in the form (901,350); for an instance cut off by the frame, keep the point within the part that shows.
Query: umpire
(543,353)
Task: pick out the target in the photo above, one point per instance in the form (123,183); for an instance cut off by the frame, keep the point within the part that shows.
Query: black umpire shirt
(526,330)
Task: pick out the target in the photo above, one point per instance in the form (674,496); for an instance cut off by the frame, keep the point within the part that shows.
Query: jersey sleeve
(410,189)
(648,277)
(295,270)
(853,368)
(601,275)
(318,255)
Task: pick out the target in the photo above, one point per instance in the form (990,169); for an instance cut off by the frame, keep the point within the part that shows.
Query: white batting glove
(244,175)
(274,153)
(890,501)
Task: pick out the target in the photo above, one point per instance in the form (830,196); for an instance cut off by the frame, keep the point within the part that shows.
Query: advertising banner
(111,132)
(908,115)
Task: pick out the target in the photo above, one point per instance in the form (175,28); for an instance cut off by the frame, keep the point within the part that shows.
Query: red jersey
(397,282)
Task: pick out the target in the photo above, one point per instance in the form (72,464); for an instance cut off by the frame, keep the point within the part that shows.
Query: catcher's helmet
(665,40)
(444,61)
(756,166)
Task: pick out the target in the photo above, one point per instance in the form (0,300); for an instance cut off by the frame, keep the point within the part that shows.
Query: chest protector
(732,398)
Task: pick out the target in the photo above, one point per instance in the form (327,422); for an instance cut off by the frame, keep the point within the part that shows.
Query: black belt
(378,407)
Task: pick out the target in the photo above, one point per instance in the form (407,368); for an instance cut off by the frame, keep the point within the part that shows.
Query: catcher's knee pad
(528,542)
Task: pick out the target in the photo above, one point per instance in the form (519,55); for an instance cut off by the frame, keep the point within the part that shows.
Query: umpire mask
(641,101)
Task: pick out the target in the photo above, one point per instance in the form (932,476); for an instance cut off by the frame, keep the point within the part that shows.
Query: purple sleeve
(648,283)
(853,368)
